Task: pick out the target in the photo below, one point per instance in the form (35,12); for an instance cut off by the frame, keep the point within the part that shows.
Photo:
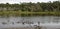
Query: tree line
(30,9)
(34,7)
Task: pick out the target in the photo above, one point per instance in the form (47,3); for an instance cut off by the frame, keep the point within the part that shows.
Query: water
(48,21)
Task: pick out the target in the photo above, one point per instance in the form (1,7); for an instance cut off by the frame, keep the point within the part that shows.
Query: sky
(18,1)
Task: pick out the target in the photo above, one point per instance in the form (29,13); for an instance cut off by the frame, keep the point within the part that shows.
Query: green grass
(26,13)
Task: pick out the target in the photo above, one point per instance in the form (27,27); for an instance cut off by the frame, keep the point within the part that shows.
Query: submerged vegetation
(30,9)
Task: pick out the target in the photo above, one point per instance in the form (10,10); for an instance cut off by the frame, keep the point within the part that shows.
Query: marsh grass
(26,13)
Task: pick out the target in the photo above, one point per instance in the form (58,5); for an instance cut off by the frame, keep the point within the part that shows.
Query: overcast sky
(18,1)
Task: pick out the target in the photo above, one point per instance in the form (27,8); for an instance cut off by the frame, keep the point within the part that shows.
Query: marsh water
(35,19)
(41,19)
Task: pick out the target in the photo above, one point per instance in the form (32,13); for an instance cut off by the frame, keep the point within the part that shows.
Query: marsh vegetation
(30,9)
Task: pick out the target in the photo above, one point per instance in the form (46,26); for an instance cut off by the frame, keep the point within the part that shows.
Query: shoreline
(26,13)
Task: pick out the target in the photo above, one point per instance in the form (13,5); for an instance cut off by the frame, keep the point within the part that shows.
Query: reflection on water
(9,22)
(41,19)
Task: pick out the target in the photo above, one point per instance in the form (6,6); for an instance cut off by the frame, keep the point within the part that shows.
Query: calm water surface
(42,19)
(53,20)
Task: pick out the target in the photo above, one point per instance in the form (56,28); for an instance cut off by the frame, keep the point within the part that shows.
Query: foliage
(30,9)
